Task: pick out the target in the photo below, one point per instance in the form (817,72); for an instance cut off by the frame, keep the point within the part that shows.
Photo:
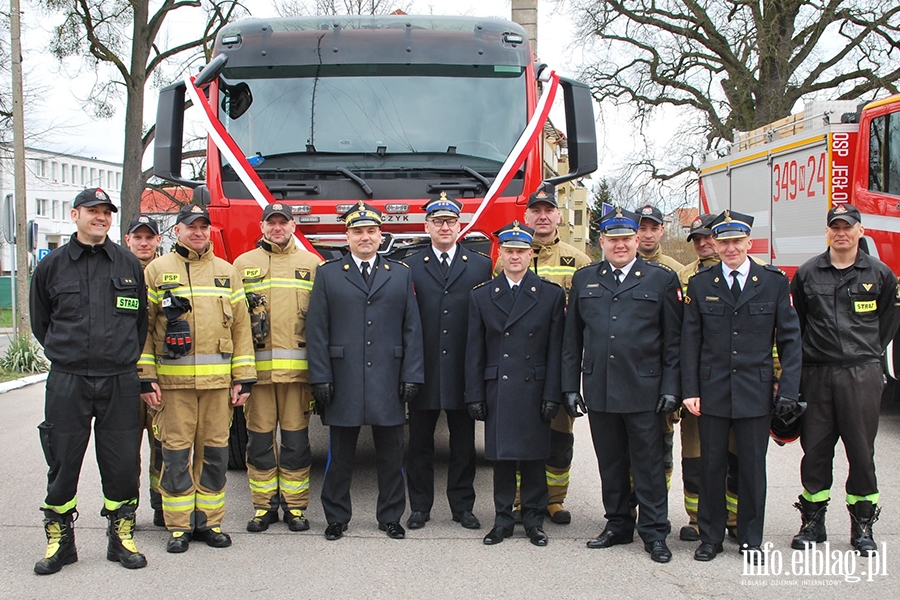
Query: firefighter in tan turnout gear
(197,365)
(143,239)
(556,261)
(278,278)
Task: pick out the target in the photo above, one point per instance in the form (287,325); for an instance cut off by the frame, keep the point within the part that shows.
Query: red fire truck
(787,175)
(322,112)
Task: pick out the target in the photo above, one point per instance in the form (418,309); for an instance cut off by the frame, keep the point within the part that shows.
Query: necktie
(618,274)
(445,263)
(515,290)
(735,286)
(365,272)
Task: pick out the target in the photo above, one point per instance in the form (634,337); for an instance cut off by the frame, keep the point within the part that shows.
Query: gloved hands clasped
(477,410)
(408,391)
(549,410)
(573,403)
(667,404)
(788,409)
(323,394)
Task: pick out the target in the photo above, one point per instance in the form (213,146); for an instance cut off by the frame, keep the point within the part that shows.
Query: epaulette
(399,262)
(331,260)
(481,253)
(585,266)
(481,284)
(704,269)
(550,282)
(660,265)
(774,269)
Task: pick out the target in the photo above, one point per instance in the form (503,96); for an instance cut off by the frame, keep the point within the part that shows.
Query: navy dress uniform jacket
(623,339)
(365,341)
(444,308)
(513,363)
(724,339)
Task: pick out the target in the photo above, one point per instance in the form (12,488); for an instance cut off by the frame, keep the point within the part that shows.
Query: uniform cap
(702,225)
(515,235)
(648,211)
(545,193)
(443,206)
(730,225)
(277,208)
(190,213)
(844,212)
(143,220)
(93,197)
(618,223)
(362,215)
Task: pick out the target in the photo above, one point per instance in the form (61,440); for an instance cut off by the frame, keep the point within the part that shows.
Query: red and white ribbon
(523,146)
(229,148)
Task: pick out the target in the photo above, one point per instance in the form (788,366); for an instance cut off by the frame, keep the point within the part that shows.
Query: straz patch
(302,274)
(222,282)
(252,273)
(126,303)
(171,277)
(864,306)
(567,261)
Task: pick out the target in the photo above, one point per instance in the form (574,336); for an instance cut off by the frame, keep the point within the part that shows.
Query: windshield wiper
(338,170)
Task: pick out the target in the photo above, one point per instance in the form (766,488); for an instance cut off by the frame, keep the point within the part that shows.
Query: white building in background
(52,180)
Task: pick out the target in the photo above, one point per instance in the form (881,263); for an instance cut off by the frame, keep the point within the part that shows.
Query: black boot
(812,528)
(120,532)
(863,515)
(60,542)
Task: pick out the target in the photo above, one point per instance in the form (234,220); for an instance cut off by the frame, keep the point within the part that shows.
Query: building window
(93,180)
(84,176)
(65,168)
(42,207)
(65,209)
(54,171)
(118,180)
(579,218)
(55,213)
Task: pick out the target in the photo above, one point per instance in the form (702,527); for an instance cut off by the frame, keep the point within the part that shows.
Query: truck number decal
(792,179)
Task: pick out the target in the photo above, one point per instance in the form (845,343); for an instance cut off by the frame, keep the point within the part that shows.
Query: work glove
(178,338)
(788,409)
(549,410)
(259,318)
(408,391)
(174,306)
(477,410)
(323,394)
(667,404)
(572,402)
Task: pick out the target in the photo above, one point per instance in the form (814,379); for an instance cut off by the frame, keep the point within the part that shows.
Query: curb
(8,386)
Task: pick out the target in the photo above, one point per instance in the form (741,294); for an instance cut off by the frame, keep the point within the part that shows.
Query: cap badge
(697,223)
(443,196)
(277,206)
(647,210)
(618,211)
(727,216)
(840,209)
(143,219)
(101,195)
(541,194)
(196,209)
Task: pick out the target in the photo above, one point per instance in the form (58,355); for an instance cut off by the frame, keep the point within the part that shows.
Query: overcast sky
(59,122)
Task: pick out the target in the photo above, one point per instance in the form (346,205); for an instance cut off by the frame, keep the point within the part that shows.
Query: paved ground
(440,561)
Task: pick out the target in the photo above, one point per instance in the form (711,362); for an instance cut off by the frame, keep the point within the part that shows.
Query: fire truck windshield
(379,117)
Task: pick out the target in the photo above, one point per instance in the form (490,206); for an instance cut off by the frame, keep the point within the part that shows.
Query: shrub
(24,355)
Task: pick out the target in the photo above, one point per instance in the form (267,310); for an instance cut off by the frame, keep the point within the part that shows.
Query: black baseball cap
(190,213)
(845,212)
(277,208)
(545,193)
(648,211)
(702,225)
(143,221)
(93,197)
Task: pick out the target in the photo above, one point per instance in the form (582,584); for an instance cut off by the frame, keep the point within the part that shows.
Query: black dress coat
(444,308)
(727,344)
(624,340)
(513,363)
(365,341)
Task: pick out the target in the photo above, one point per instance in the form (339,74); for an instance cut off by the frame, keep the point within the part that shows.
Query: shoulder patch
(398,262)
(331,260)
(774,269)
(660,265)
(481,284)
(482,253)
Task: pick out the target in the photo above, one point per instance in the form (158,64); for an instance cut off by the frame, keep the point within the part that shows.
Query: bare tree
(130,38)
(294,8)
(725,65)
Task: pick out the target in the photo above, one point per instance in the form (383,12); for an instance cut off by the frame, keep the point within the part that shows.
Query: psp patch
(171,277)
(252,273)
(127,303)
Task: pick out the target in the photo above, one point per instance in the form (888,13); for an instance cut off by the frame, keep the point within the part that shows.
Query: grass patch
(10,375)
(5,317)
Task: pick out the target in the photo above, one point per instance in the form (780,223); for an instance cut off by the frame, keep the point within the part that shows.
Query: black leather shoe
(214,537)
(335,531)
(497,535)
(607,539)
(753,555)
(394,530)
(178,542)
(688,534)
(707,551)
(658,550)
(418,518)
(537,536)
(467,520)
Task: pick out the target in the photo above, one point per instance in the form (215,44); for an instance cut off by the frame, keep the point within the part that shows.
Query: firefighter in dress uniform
(364,341)
(278,277)
(623,326)
(197,365)
(513,379)
(443,275)
(729,382)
